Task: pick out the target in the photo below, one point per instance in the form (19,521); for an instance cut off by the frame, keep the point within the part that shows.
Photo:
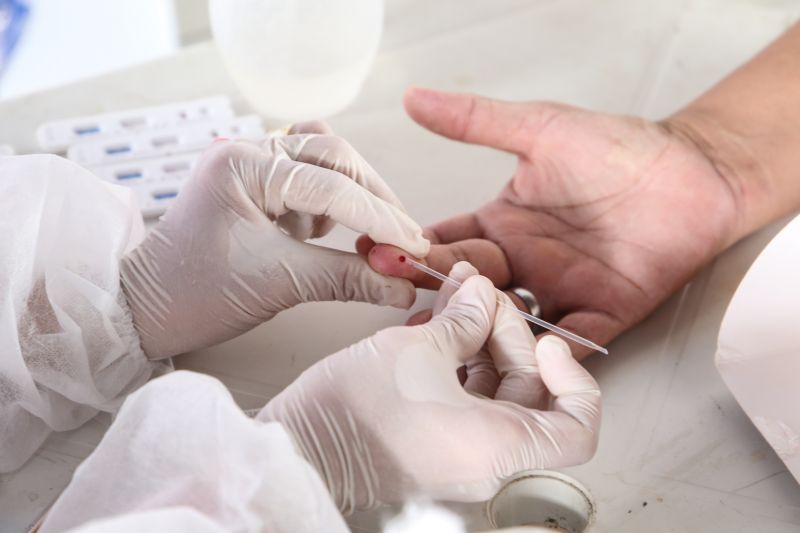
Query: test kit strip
(163,142)
(156,182)
(6,150)
(58,135)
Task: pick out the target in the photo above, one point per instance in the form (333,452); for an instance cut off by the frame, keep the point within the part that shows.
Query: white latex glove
(182,455)
(220,261)
(387,418)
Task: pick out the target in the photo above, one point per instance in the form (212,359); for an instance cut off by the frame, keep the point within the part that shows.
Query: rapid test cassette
(149,150)
(59,135)
(163,142)
(155,181)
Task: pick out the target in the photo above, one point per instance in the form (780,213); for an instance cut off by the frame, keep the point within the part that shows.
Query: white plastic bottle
(298,59)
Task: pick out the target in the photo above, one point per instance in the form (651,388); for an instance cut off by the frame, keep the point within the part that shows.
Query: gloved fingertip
(483,282)
(402,298)
(563,375)
(460,272)
(310,126)
(463,270)
(397,293)
(465,322)
(552,346)
(477,288)
(417,245)
(389,291)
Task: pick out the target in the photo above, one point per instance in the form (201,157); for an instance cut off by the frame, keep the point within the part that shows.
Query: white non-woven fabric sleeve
(68,347)
(172,519)
(181,442)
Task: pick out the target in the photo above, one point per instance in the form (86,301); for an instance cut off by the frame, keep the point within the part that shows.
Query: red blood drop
(402,258)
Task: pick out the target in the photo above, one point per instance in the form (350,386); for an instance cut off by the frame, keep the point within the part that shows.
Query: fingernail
(422,92)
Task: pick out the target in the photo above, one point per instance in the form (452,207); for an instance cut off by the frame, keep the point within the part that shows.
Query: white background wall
(68,40)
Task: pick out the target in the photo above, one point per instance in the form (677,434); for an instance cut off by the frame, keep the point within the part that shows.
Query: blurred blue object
(13,14)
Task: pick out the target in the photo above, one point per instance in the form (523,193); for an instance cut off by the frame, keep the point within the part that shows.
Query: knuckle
(337,145)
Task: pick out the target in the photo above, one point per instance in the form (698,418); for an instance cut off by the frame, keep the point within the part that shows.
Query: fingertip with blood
(391,261)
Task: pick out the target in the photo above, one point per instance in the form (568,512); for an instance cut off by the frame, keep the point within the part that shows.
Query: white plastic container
(298,59)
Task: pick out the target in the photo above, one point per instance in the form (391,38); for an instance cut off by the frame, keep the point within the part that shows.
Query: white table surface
(676,452)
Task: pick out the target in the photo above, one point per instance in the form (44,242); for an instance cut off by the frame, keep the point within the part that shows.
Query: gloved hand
(229,255)
(387,418)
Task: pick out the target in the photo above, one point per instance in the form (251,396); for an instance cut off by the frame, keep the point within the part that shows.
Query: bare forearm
(749,126)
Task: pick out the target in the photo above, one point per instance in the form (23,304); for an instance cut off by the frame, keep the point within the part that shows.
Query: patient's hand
(604,218)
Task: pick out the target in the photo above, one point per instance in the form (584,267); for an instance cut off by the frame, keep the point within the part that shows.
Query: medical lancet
(527,316)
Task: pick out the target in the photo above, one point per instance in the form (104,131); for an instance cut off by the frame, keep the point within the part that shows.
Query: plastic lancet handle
(527,316)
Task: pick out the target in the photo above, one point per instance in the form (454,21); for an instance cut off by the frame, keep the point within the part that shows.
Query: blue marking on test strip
(88,130)
(165,195)
(114,150)
(129,175)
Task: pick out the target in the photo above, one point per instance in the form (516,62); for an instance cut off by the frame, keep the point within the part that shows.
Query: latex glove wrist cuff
(348,471)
